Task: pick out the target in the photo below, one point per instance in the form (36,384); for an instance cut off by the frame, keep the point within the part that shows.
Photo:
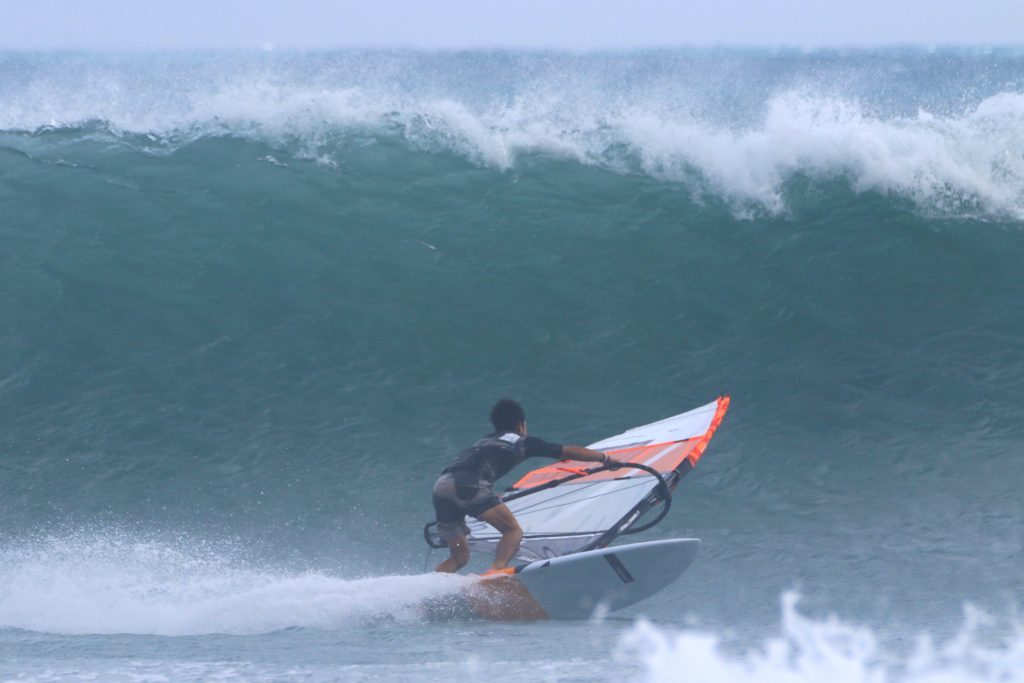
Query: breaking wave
(964,157)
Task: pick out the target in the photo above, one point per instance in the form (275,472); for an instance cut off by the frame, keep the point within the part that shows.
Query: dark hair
(507,415)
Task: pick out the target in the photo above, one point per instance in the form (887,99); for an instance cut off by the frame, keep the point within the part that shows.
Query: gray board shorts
(457,494)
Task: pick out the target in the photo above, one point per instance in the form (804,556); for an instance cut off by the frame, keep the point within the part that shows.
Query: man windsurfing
(466,485)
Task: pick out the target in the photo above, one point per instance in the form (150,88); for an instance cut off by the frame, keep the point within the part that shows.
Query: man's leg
(502,519)
(459,558)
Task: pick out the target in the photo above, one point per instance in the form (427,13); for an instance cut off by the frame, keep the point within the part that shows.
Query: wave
(235,291)
(966,160)
(828,650)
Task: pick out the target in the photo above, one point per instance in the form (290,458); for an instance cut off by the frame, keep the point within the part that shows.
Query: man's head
(508,416)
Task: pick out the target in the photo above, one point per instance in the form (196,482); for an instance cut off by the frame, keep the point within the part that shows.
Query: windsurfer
(466,486)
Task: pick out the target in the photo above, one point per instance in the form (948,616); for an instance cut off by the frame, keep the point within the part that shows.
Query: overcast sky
(569,24)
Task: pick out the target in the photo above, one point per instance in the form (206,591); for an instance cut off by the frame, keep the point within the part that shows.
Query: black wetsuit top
(495,455)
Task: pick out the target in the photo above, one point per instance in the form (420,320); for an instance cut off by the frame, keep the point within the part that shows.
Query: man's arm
(587,455)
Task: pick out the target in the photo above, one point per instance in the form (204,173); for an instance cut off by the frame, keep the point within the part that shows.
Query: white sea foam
(815,651)
(92,585)
(939,162)
(968,159)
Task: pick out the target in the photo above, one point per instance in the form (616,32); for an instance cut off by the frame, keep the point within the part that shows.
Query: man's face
(522,428)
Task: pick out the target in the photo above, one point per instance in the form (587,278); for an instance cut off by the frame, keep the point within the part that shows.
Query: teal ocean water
(252,303)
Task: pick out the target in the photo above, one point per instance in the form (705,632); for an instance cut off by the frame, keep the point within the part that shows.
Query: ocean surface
(251,303)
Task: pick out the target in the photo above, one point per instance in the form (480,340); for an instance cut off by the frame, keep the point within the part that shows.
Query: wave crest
(957,161)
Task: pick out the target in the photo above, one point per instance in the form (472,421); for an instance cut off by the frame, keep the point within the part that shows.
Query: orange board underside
(663,457)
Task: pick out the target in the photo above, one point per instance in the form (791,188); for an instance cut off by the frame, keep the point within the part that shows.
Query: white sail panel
(686,425)
(566,517)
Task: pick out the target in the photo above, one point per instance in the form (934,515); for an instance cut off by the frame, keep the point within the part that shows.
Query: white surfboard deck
(574,586)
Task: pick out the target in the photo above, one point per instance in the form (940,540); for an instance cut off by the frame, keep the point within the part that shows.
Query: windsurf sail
(564,508)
